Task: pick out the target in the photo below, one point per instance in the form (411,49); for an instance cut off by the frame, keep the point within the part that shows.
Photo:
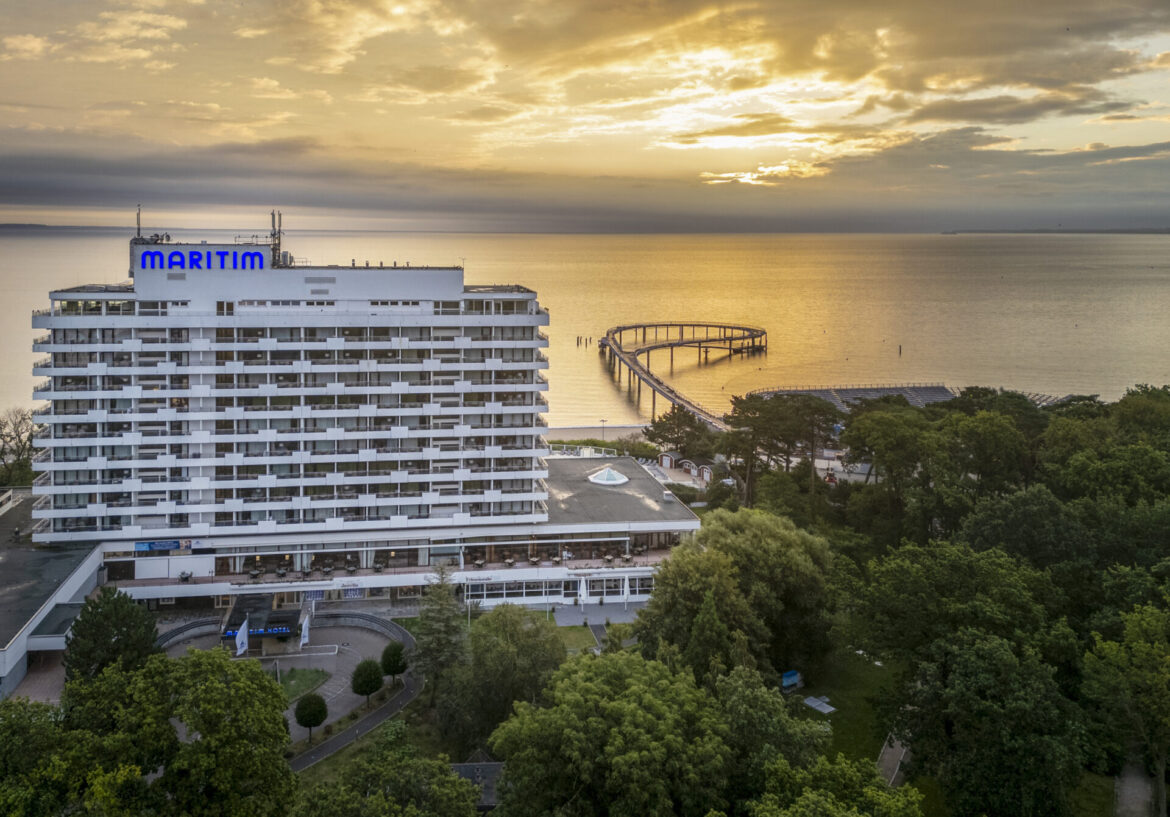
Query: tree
(988,719)
(311,712)
(394,660)
(390,780)
(781,572)
(767,581)
(680,430)
(366,679)
(514,651)
(889,440)
(231,759)
(1031,524)
(685,582)
(441,639)
(832,788)
(17,429)
(709,642)
(761,728)
(114,747)
(619,736)
(919,595)
(1130,680)
(110,629)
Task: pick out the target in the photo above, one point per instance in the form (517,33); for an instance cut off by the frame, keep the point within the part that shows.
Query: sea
(1041,313)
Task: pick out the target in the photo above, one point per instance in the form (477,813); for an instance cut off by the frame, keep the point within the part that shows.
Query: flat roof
(59,619)
(29,574)
(574,500)
(91,289)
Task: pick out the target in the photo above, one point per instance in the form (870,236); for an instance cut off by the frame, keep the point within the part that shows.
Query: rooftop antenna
(277,225)
(139,221)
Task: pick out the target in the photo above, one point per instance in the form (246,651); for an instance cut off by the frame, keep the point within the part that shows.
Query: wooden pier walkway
(633,344)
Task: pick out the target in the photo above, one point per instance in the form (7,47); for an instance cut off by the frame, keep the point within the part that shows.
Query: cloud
(768,176)
(1008,109)
(25,47)
(484,113)
(120,26)
(746,124)
(268,88)
(975,179)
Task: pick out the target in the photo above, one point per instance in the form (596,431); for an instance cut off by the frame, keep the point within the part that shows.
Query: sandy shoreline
(610,432)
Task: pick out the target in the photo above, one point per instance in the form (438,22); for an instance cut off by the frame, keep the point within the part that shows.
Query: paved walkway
(45,680)
(890,760)
(615,612)
(1133,793)
(352,646)
(347,736)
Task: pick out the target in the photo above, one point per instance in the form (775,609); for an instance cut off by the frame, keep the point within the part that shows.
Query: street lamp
(603,422)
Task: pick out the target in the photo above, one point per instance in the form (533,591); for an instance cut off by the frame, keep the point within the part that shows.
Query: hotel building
(232,422)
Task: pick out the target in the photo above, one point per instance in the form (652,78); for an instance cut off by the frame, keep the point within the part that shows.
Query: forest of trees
(1010,563)
(1007,564)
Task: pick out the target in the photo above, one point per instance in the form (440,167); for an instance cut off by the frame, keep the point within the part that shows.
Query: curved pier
(627,345)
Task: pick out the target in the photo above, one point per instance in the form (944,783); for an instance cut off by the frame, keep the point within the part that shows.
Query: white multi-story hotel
(232,422)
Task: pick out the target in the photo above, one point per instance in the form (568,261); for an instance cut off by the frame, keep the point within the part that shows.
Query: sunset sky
(578,115)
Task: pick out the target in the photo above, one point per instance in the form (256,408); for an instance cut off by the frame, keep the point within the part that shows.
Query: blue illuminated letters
(202,259)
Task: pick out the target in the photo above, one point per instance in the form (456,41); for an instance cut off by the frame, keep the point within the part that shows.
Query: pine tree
(441,639)
(111,629)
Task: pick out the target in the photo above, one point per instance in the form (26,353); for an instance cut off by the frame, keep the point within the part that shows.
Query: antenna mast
(274,237)
(139,221)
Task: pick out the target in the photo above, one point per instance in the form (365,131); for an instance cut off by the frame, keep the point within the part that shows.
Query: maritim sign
(199,257)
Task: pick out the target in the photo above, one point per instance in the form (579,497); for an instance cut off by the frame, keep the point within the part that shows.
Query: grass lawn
(420,731)
(296,682)
(849,681)
(933,804)
(577,638)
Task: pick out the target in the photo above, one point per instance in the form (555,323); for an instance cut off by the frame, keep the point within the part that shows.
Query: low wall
(365,621)
(192,629)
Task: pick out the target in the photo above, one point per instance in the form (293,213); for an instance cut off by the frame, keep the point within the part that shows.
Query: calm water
(1054,314)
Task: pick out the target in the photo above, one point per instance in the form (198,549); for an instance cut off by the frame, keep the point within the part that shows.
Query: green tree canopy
(619,736)
(680,430)
(440,640)
(200,735)
(367,678)
(690,578)
(761,727)
(988,720)
(110,629)
(514,651)
(919,595)
(766,579)
(832,788)
(391,780)
(1129,679)
(231,759)
(394,659)
(311,712)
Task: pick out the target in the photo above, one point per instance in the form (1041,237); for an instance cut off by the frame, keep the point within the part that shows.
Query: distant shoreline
(16,227)
(1067,231)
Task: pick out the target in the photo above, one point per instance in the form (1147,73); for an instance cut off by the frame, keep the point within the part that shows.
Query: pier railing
(632,346)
